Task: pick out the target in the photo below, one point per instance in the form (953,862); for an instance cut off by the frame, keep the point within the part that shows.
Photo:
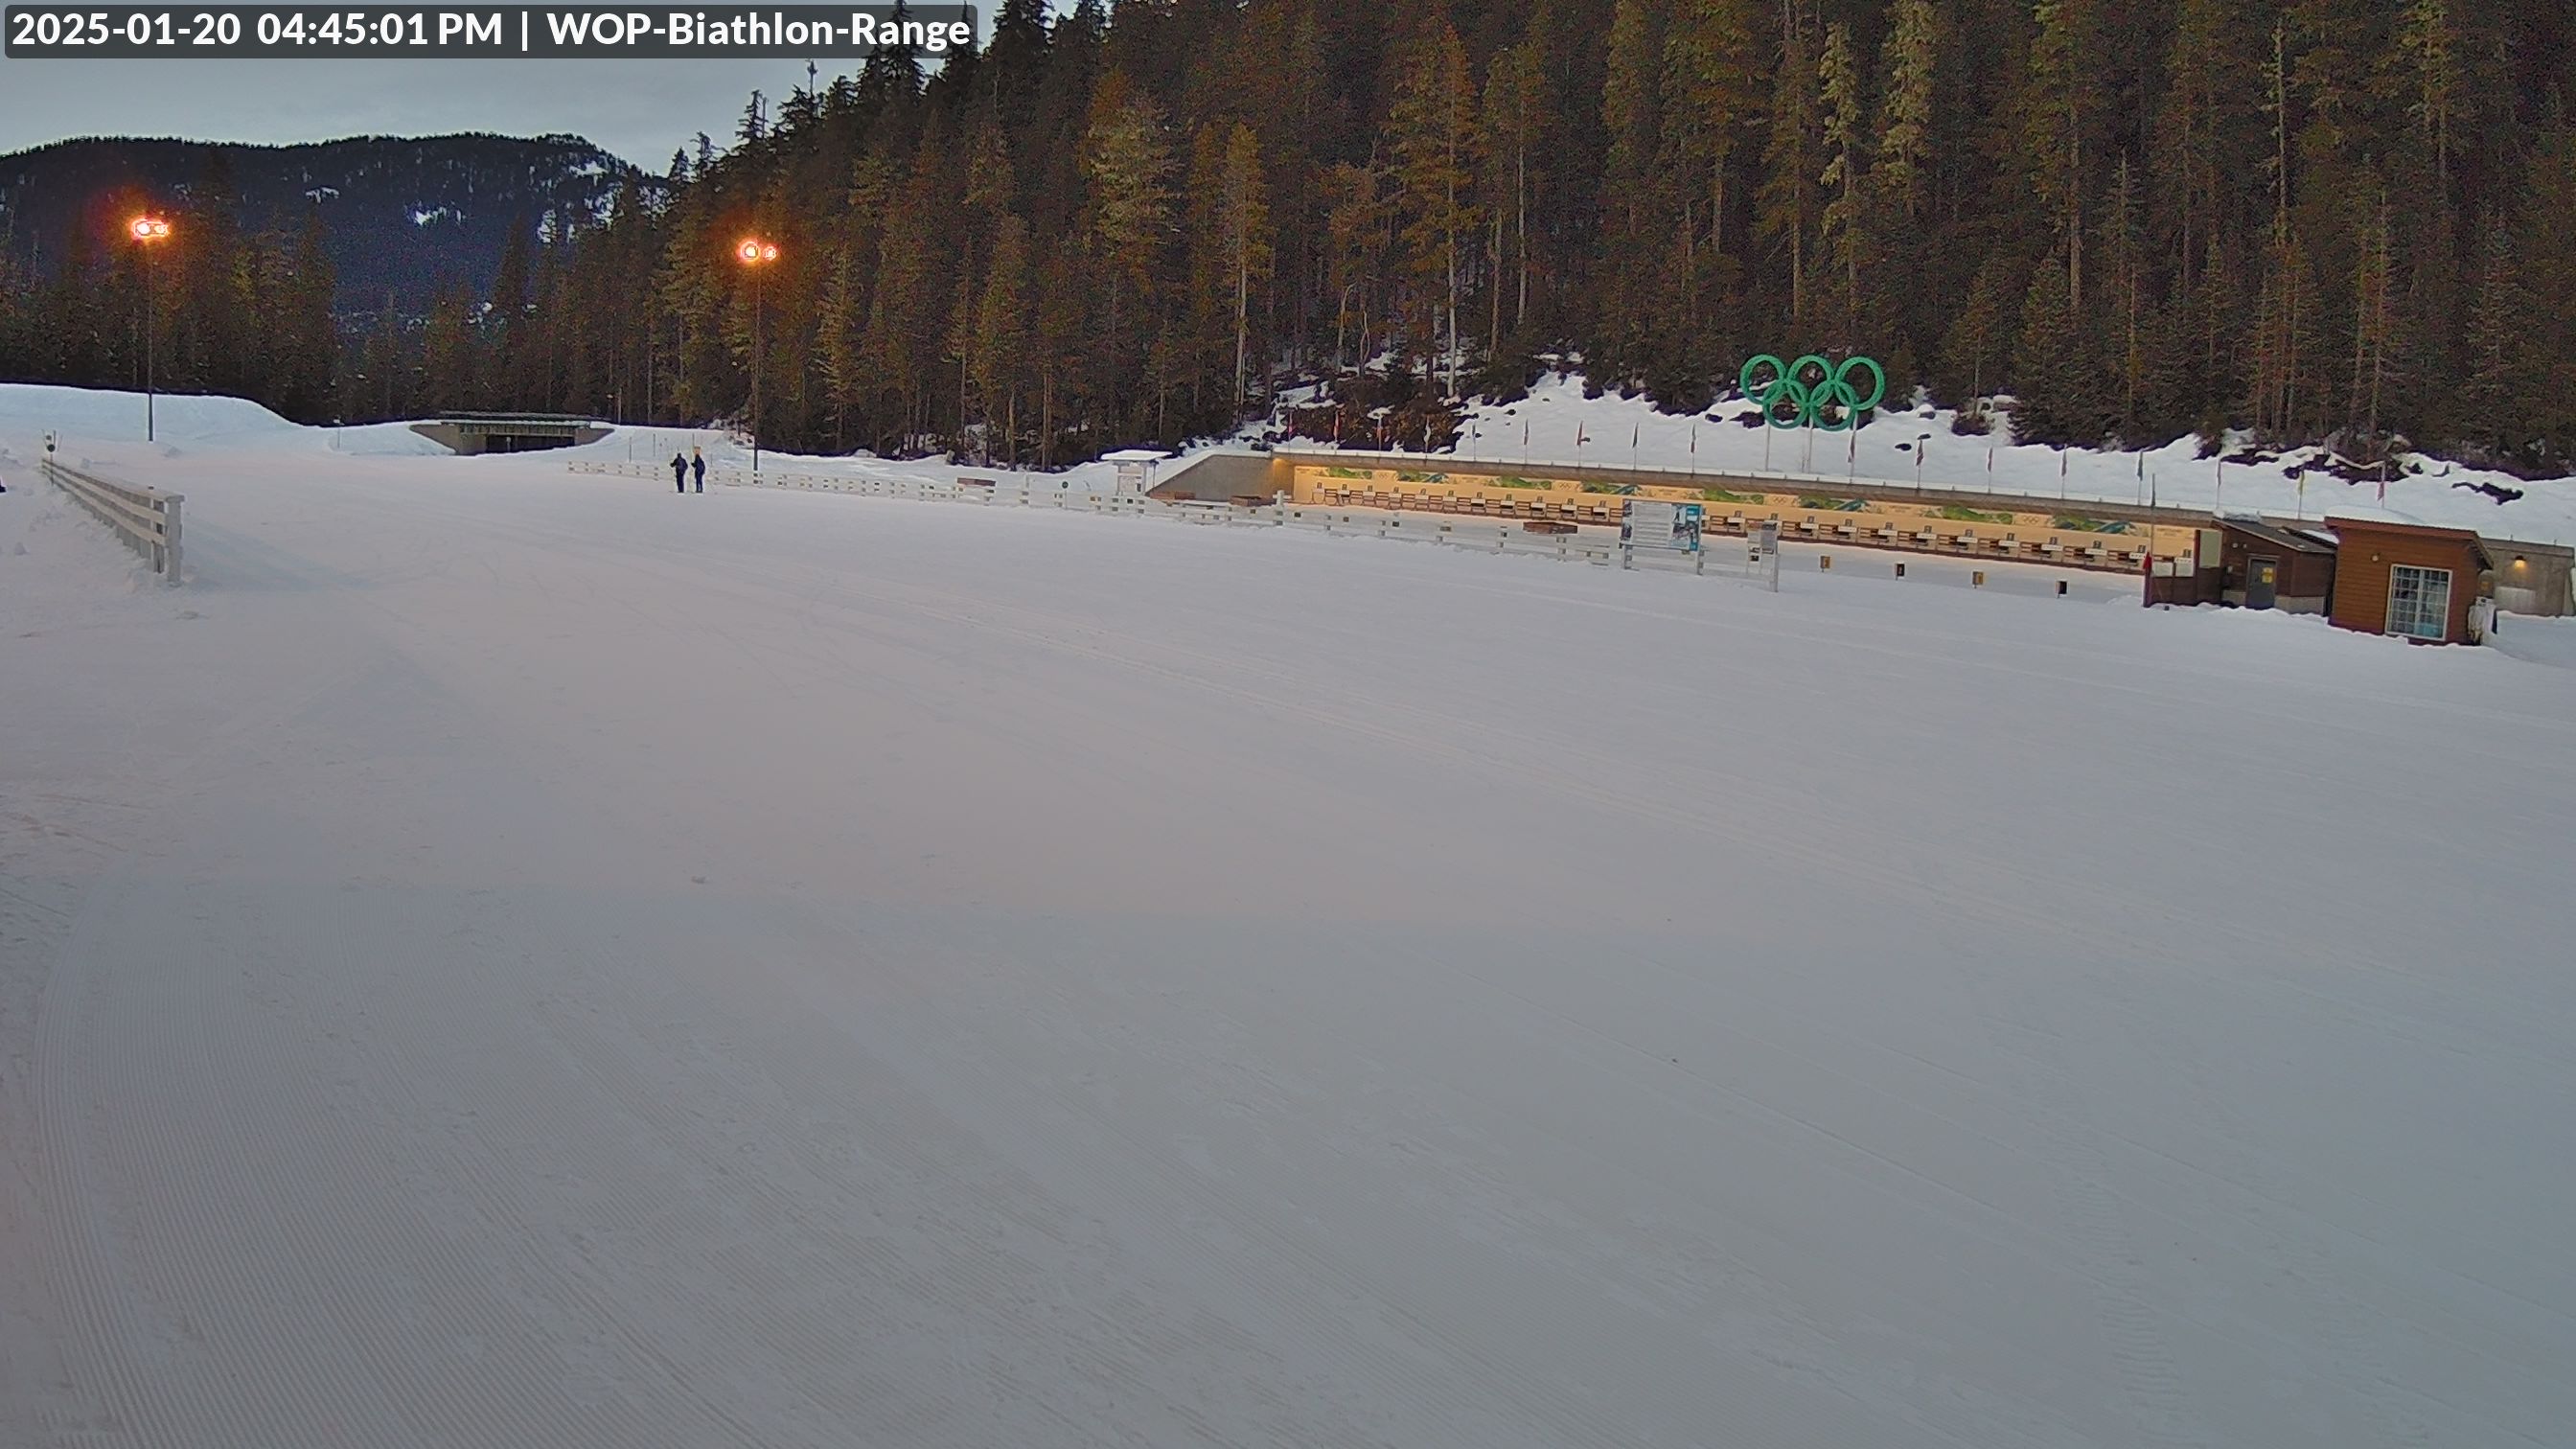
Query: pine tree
(1001,334)
(2059,119)
(2205,128)
(900,318)
(1127,165)
(2373,292)
(1434,146)
(1786,202)
(2051,393)
(2545,238)
(449,366)
(1243,219)
(1905,117)
(1355,228)
(2425,38)
(1514,128)
(1979,339)
(383,369)
(1843,231)
(2500,365)
(308,344)
(1712,90)
(1632,197)
(507,325)
(1629,109)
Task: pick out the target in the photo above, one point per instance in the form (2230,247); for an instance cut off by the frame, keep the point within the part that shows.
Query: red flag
(1632,435)
(1694,447)
(1524,432)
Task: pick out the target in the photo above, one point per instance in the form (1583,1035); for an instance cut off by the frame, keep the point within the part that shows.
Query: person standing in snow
(698,465)
(679,473)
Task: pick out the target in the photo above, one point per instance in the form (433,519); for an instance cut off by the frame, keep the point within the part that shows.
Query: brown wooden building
(2407,579)
(2268,566)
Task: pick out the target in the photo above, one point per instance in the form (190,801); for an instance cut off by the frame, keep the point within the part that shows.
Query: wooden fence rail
(146,518)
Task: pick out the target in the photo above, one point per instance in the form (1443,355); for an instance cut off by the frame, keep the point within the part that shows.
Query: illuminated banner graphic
(481,32)
(1811,392)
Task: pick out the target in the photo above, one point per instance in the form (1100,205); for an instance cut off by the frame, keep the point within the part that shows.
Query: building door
(2419,602)
(2262,581)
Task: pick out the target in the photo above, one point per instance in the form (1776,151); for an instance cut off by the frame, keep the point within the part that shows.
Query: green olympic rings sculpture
(1798,394)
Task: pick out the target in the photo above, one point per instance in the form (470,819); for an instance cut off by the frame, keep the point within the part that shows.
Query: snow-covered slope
(506,956)
(95,420)
(1556,423)
(654,446)
(182,424)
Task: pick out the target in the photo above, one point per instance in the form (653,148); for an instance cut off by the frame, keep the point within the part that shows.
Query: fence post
(170,537)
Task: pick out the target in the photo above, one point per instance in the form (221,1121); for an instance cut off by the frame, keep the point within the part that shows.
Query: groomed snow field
(510,959)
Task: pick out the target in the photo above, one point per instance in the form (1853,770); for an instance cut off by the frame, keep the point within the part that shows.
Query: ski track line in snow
(1840,636)
(1498,1384)
(1634,1054)
(1044,631)
(1443,735)
(898,1120)
(2093,1215)
(1367,715)
(86,1264)
(1145,1179)
(2338,1323)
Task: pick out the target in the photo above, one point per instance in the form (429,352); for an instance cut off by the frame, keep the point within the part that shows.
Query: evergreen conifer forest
(2339,221)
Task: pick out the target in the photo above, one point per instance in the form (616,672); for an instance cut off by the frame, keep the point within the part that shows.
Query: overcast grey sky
(641,110)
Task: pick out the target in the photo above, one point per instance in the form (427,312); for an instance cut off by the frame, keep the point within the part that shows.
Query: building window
(2419,602)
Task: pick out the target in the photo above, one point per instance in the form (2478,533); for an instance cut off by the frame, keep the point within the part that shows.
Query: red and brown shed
(2275,566)
(2407,579)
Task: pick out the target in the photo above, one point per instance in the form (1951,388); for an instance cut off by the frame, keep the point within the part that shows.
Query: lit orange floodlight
(753,251)
(149,228)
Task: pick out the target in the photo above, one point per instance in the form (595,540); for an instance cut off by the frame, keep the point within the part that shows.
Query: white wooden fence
(146,518)
(1741,558)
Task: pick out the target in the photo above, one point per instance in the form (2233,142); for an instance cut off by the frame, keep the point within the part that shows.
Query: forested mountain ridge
(2351,220)
(304,277)
(404,216)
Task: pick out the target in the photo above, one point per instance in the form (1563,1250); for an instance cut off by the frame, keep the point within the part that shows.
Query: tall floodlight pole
(756,255)
(147,230)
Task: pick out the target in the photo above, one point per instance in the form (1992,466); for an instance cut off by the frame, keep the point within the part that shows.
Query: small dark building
(2265,566)
(471,433)
(2407,579)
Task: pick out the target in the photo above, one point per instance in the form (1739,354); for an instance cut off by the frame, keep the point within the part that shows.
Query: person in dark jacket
(680,472)
(698,466)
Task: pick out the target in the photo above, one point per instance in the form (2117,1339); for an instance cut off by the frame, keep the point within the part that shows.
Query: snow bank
(654,445)
(1614,431)
(183,424)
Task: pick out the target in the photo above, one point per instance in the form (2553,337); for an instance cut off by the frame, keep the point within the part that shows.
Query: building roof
(2344,526)
(2289,538)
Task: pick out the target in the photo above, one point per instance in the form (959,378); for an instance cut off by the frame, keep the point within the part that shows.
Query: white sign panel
(1654,523)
